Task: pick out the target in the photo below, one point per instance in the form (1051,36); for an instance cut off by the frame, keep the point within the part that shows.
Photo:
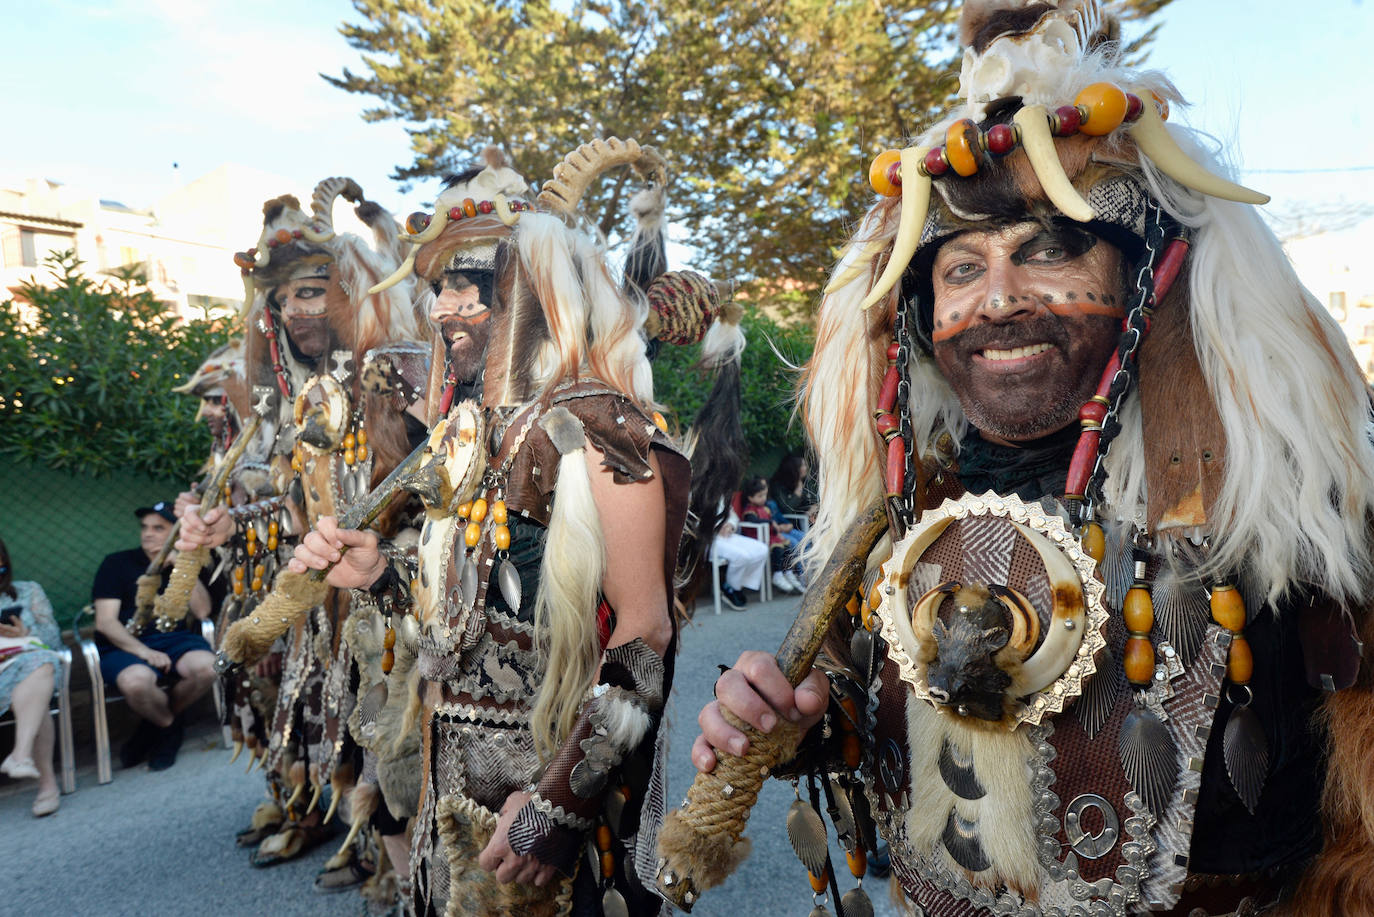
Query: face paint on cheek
(1072,306)
(952,324)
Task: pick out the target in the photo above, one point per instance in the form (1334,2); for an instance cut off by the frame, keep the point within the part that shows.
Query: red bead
(271,243)
(887,395)
(455,213)
(297,234)
(1001,139)
(1133,106)
(486,207)
(887,424)
(1093,412)
(1067,119)
(276,367)
(892,350)
(896,466)
(1081,465)
(935,162)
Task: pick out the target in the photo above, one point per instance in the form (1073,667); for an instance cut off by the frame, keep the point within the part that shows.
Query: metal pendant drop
(1182,613)
(819,911)
(1246,752)
(468,582)
(1100,692)
(841,812)
(855,903)
(409,631)
(613,903)
(1150,758)
(369,707)
(508,578)
(806,832)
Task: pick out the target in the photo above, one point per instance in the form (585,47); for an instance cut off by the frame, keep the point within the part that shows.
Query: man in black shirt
(133,663)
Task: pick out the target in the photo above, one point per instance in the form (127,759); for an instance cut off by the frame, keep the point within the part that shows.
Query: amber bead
(251,547)
(283,236)
(607,864)
(349,441)
(389,641)
(1106,105)
(238,573)
(1228,607)
(238,587)
(472,534)
(961,147)
(350,456)
(296,464)
(362,437)
(251,534)
(851,607)
(603,837)
(661,422)
(879,173)
(272,542)
(1240,665)
(479,510)
(502,538)
(464,509)
(1094,541)
(362,453)
(273,528)
(388,660)
(498,512)
(470,207)
(1138,611)
(1139,661)
(818,883)
(857,860)
(258,571)
(875,594)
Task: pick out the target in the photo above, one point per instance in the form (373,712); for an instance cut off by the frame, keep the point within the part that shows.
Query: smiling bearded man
(1106,655)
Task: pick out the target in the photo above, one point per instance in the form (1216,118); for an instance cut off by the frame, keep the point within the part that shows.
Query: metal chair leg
(103,771)
(64,724)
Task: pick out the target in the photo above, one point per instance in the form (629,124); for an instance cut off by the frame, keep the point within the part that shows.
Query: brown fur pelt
(981,22)
(1341,881)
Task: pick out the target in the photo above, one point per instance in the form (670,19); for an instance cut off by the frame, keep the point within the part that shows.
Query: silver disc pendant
(468,583)
(409,631)
(509,580)
(855,903)
(613,903)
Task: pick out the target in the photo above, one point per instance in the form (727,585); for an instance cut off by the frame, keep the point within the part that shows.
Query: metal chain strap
(1142,305)
(907,510)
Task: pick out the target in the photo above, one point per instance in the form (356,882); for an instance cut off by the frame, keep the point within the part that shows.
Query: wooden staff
(171,606)
(293,594)
(700,844)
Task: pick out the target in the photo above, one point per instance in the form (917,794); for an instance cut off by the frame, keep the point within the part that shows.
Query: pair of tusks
(364,803)
(1151,137)
(429,234)
(1068,616)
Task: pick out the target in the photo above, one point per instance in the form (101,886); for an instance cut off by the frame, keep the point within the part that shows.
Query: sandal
(266,821)
(339,877)
(289,843)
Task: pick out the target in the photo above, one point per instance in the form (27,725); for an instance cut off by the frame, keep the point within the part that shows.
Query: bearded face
(216,416)
(1025,318)
(464,320)
(303,310)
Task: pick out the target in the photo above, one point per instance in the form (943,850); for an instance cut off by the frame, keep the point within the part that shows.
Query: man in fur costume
(335,370)
(543,629)
(1106,659)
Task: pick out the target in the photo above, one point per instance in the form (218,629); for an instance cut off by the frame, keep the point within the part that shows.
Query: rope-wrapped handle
(293,595)
(172,605)
(700,844)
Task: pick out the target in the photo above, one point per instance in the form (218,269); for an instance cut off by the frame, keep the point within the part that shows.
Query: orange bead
(350,456)
(661,422)
(479,510)
(857,860)
(296,464)
(251,534)
(1138,611)
(875,594)
(818,883)
(238,573)
(498,512)
(1106,108)
(852,607)
(607,864)
(258,571)
(470,207)
(350,440)
(388,660)
(389,641)
(256,585)
(362,437)
(273,528)
(879,173)
(472,534)
(464,509)
(1228,607)
(362,453)
(251,547)
(271,542)
(1240,665)
(238,587)
(961,147)
(502,538)
(603,837)
(1094,541)
(283,236)
(1139,661)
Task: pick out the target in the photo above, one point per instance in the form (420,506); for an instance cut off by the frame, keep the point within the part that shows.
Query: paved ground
(163,843)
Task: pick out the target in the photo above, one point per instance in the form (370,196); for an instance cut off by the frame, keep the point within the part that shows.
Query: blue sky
(108,95)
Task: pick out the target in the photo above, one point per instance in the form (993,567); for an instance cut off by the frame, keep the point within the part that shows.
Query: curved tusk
(252,760)
(248,291)
(295,794)
(238,750)
(431,232)
(508,216)
(352,836)
(313,236)
(1068,618)
(1038,143)
(315,798)
(915,206)
(861,261)
(1153,140)
(262,758)
(1025,621)
(333,807)
(923,616)
(401,273)
(264,251)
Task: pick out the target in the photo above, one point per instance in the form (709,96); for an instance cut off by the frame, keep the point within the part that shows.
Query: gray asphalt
(162,843)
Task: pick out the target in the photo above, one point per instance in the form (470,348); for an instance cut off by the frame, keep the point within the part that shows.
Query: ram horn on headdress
(1152,138)
(575,173)
(322,206)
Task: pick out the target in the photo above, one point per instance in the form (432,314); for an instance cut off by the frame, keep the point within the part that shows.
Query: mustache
(452,325)
(1047,328)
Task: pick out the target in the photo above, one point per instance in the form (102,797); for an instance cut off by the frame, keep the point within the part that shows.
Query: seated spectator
(745,559)
(779,546)
(132,663)
(29,668)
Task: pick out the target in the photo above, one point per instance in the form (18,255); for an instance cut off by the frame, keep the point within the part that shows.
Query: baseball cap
(163,508)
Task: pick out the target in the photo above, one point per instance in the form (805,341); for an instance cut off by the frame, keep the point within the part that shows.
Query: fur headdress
(1052,125)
